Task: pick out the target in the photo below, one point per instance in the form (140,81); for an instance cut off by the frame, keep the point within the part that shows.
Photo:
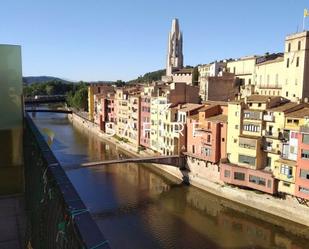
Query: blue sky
(121,39)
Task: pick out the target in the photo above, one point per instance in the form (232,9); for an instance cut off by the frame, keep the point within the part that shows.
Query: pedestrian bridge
(49,110)
(174,160)
(42,99)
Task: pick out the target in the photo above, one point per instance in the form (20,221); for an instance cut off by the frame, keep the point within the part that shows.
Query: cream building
(243,68)
(296,66)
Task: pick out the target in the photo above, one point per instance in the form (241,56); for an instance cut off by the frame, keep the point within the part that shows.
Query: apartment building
(206,140)
(246,163)
(173,134)
(145,117)
(243,68)
(134,119)
(93,89)
(122,106)
(302,172)
(163,96)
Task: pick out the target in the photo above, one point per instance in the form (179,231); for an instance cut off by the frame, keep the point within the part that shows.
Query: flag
(306,13)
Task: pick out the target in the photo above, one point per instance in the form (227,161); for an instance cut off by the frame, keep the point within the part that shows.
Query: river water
(137,207)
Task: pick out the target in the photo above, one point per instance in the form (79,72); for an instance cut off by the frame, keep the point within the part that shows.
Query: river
(137,207)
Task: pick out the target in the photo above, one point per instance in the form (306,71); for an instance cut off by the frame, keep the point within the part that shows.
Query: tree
(195,75)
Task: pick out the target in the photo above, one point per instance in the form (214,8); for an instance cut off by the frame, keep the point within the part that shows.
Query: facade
(246,163)
(163,96)
(296,85)
(223,87)
(243,69)
(145,118)
(269,76)
(206,140)
(302,174)
(93,89)
(183,76)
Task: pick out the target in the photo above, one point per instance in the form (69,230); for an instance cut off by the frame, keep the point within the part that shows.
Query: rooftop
(218,118)
(260,98)
(283,107)
(188,107)
(299,113)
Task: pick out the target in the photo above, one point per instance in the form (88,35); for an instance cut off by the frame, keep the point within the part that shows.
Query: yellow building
(243,68)
(269,75)
(93,89)
(246,130)
(296,84)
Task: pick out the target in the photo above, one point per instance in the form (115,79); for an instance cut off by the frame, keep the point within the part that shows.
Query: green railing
(57,217)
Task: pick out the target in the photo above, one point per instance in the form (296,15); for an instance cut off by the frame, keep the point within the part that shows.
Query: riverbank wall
(288,208)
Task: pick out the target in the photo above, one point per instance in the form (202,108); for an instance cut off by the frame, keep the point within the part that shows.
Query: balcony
(57,217)
(269,118)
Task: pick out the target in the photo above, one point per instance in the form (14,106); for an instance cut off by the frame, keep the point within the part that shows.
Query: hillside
(41,79)
(149,77)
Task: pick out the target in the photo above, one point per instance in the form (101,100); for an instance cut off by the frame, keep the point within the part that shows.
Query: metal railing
(57,217)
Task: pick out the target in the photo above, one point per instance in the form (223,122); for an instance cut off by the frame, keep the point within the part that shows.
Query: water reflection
(135,207)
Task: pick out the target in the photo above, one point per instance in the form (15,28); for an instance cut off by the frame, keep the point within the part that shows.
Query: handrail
(57,216)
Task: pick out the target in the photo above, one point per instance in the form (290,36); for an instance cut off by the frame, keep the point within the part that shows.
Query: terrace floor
(12,222)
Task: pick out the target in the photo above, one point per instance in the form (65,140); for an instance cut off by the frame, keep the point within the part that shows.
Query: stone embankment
(288,209)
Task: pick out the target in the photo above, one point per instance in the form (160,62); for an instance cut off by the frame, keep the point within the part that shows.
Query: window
(287,62)
(227,173)
(257,180)
(236,114)
(286,170)
(259,104)
(239,176)
(297,61)
(208,138)
(306,138)
(304,174)
(299,45)
(249,81)
(287,94)
(260,79)
(277,79)
(246,160)
(193,149)
(236,127)
(304,190)
(289,47)
(267,79)
(251,127)
(286,184)
(268,183)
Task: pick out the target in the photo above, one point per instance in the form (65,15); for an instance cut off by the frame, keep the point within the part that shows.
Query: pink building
(250,178)
(207,133)
(302,170)
(145,121)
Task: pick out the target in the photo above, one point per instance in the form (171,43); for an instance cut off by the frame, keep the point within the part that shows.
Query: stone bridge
(174,160)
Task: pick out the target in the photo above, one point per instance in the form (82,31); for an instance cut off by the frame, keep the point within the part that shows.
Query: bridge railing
(57,217)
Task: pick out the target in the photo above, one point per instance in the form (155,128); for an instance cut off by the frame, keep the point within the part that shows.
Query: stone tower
(174,53)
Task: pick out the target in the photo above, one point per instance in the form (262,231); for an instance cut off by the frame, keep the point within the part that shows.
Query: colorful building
(206,141)
(246,163)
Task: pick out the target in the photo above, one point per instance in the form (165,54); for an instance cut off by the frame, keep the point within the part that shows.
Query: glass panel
(11,119)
